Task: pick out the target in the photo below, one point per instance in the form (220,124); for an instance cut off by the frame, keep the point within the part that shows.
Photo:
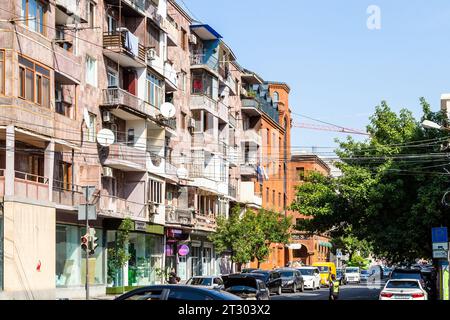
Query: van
(326,270)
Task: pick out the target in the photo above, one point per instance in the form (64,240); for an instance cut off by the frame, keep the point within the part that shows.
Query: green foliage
(118,255)
(249,236)
(358,261)
(390,192)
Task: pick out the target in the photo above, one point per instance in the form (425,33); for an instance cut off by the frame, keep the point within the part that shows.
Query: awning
(325,244)
(294,246)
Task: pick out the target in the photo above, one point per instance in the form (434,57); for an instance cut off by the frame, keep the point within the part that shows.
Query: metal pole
(448,270)
(87,245)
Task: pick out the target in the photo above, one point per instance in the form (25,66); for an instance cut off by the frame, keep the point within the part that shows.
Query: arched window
(276,97)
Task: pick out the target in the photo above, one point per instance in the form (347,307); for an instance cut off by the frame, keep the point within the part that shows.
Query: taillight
(417,295)
(386,295)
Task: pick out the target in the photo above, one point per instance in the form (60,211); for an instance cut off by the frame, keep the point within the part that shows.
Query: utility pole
(86,194)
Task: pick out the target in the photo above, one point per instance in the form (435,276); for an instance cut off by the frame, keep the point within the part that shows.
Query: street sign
(439,254)
(339,253)
(90,191)
(439,234)
(92,213)
(440,246)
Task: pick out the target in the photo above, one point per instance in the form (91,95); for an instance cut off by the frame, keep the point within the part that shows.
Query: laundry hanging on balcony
(132,43)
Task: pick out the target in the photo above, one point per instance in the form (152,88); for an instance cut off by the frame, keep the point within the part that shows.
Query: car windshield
(241,288)
(306,272)
(287,274)
(352,270)
(200,281)
(323,269)
(403,285)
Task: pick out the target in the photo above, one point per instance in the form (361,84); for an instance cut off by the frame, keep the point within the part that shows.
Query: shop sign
(183,250)
(140,226)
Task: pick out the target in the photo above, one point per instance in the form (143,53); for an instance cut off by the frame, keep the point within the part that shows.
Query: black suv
(272,279)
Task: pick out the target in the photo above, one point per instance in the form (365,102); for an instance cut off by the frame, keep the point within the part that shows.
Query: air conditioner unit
(151,54)
(107,172)
(192,39)
(152,208)
(191,123)
(107,116)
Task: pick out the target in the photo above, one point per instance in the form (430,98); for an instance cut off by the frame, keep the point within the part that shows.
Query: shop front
(178,251)
(144,249)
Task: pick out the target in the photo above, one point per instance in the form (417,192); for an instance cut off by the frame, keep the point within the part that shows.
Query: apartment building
(303,247)
(71,69)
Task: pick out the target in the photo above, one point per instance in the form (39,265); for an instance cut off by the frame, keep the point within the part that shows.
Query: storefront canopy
(325,244)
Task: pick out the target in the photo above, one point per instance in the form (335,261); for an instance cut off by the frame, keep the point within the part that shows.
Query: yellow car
(326,270)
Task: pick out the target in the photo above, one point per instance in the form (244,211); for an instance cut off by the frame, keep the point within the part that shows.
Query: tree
(391,188)
(351,245)
(249,237)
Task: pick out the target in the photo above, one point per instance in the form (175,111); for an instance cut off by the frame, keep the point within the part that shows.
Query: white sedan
(311,277)
(403,289)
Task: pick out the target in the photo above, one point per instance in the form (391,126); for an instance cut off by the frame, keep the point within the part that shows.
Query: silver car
(206,281)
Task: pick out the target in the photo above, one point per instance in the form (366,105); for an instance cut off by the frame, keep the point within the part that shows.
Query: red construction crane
(328,128)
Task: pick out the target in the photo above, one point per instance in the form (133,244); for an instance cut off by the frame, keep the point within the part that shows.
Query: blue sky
(337,68)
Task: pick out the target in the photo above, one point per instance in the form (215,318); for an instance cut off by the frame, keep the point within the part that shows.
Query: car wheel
(302,287)
(294,288)
(279,291)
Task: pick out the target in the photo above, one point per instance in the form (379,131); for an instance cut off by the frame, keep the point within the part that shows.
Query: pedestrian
(334,288)
(173,279)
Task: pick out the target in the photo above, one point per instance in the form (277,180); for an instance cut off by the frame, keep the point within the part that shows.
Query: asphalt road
(347,292)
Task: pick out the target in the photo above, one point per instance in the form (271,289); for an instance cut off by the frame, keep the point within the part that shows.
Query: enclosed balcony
(114,97)
(208,62)
(170,76)
(248,194)
(124,48)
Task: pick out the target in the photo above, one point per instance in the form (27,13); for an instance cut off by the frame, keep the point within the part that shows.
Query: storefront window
(146,259)
(1,250)
(71,259)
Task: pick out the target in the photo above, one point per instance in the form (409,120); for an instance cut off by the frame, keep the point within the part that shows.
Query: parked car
(402,273)
(352,274)
(248,270)
(177,292)
(246,286)
(340,276)
(311,277)
(207,281)
(291,279)
(364,275)
(272,279)
(403,289)
(429,276)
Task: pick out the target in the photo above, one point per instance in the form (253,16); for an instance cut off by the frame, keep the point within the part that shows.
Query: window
(34,82)
(202,83)
(183,39)
(90,13)
(62,104)
(153,38)
(61,38)
(112,78)
(35,11)
(155,92)
(276,97)
(64,175)
(183,80)
(155,191)
(273,197)
(112,24)
(90,132)
(279,199)
(91,71)
(267,194)
(2,72)
(300,172)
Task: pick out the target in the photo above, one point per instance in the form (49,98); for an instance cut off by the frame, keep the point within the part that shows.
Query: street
(347,292)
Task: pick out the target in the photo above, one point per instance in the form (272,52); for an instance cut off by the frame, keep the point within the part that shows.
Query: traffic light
(84,242)
(92,241)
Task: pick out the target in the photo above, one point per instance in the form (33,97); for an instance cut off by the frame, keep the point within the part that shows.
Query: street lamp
(427,124)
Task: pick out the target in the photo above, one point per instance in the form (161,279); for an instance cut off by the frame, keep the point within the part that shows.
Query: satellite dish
(182,173)
(105,137)
(168,110)
(86,115)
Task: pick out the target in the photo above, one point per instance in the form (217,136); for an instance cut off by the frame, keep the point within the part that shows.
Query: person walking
(334,288)
(173,279)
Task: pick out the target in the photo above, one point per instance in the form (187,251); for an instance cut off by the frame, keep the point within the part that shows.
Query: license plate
(401,297)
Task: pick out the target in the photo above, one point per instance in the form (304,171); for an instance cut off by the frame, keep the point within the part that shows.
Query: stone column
(49,164)
(9,168)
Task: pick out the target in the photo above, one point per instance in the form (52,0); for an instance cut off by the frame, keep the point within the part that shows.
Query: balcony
(204,61)
(114,97)
(232,120)
(252,136)
(202,102)
(123,157)
(69,195)
(232,191)
(233,155)
(251,107)
(31,186)
(120,47)
(155,163)
(248,169)
(114,207)
(181,217)
(248,195)
(205,223)
(171,77)
(223,112)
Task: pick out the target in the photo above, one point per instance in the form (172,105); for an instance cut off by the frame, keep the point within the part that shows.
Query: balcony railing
(179,216)
(205,222)
(232,120)
(121,208)
(170,123)
(206,60)
(31,186)
(202,102)
(116,41)
(67,194)
(120,156)
(118,96)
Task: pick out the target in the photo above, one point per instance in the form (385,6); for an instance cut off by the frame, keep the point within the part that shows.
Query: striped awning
(325,244)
